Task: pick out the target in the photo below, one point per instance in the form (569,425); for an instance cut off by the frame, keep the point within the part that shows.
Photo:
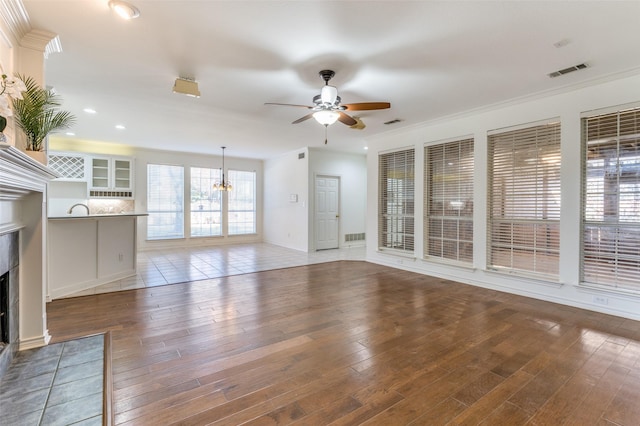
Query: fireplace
(23,231)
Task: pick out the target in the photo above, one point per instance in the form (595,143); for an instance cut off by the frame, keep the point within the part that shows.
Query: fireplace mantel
(20,174)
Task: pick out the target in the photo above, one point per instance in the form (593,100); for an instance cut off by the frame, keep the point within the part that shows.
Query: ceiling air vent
(394,121)
(300,155)
(568,70)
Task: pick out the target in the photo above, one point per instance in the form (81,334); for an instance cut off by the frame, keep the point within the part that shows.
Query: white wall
(352,171)
(567,106)
(187,160)
(286,222)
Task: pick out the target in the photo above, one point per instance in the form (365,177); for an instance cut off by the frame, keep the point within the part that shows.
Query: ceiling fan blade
(366,106)
(293,105)
(301,119)
(345,119)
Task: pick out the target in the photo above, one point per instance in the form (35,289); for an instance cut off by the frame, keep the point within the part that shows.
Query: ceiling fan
(327,108)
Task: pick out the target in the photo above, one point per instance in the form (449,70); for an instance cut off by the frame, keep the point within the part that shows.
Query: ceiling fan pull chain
(325,133)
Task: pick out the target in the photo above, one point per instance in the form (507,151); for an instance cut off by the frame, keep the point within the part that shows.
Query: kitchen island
(90,250)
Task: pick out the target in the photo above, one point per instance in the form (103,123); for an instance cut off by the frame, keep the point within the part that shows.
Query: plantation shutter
(396,200)
(524,200)
(611,200)
(448,195)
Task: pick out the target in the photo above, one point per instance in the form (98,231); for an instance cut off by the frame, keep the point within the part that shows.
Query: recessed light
(89,110)
(124,10)
(70,134)
(366,148)
(120,127)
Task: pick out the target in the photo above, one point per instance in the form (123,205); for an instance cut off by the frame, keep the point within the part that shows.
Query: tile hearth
(58,384)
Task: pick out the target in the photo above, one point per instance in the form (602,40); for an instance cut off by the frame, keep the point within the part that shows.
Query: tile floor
(170,266)
(58,384)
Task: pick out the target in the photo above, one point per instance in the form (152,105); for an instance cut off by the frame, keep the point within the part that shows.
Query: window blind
(242,203)
(396,192)
(165,202)
(448,222)
(611,200)
(206,204)
(524,200)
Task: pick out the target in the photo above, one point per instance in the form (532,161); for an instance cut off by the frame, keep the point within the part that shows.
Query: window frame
(237,185)
(603,254)
(215,175)
(396,230)
(523,238)
(162,190)
(449,172)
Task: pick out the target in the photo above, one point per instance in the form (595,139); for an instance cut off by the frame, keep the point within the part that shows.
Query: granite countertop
(97,216)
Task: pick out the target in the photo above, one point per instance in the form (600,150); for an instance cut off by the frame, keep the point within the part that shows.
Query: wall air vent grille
(354,237)
(568,70)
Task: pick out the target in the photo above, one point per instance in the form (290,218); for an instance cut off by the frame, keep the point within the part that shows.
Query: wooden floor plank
(350,343)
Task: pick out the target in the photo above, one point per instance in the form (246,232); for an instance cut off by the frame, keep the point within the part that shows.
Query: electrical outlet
(601,300)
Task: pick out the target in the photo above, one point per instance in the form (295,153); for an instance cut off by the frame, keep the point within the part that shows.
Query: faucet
(78,204)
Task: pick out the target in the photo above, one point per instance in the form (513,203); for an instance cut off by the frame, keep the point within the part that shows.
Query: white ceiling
(430,59)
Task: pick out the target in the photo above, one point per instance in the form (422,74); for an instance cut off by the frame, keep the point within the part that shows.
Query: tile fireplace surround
(23,187)
(9,255)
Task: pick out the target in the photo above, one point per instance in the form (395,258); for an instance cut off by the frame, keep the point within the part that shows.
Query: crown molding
(42,41)
(15,17)
(18,23)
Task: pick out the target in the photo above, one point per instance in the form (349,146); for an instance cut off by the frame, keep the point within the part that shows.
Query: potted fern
(37,114)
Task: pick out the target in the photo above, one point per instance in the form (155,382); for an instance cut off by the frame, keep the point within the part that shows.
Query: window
(524,199)
(448,222)
(206,204)
(611,200)
(165,202)
(396,200)
(242,203)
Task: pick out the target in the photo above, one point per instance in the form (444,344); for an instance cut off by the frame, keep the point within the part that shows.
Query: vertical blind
(396,171)
(611,200)
(448,186)
(165,202)
(524,199)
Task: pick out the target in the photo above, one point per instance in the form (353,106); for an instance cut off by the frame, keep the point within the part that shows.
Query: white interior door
(327,212)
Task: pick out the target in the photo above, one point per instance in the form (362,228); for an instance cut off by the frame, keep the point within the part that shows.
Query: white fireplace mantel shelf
(20,174)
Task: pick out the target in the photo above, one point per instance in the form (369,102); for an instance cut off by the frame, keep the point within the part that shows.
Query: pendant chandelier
(222,186)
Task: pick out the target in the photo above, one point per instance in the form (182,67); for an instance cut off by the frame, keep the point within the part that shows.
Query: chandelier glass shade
(223,185)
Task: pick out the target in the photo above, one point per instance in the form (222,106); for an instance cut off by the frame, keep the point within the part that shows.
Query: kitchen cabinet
(88,251)
(111,177)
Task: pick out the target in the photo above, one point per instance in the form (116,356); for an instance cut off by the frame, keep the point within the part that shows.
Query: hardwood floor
(356,343)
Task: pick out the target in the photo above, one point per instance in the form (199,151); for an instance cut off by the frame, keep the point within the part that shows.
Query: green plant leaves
(37,113)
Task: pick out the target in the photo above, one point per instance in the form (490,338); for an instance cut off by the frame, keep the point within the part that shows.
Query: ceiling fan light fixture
(124,10)
(326,117)
(328,94)
(186,86)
